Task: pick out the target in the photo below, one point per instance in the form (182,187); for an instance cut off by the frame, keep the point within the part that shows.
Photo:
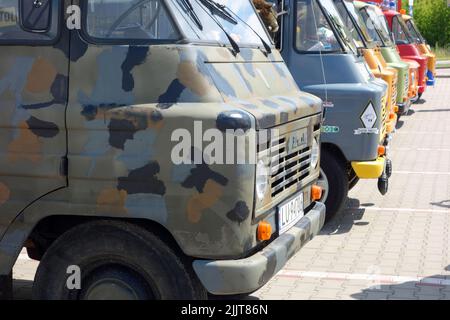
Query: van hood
(262,86)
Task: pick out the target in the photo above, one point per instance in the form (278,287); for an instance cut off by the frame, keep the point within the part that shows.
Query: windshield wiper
(208,4)
(219,10)
(265,44)
(187,5)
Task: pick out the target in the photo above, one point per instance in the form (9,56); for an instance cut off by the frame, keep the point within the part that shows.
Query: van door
(33,98)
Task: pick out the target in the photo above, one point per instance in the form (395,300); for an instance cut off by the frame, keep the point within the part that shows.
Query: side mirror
(35,15)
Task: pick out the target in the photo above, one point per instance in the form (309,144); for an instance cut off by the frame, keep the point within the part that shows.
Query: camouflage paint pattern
(112,114)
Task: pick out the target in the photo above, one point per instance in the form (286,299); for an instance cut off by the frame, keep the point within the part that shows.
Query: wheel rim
(323,183)
(115,282)
(111,289)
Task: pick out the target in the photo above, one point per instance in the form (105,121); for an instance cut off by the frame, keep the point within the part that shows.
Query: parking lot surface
(391,247)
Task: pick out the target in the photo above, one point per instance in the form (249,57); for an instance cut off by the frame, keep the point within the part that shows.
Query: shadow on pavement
(350,217)
(435,110)
(442,204)
(399,124)
(436,287)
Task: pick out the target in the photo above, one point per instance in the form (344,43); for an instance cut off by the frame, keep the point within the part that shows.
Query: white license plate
(290,213)
(297,140)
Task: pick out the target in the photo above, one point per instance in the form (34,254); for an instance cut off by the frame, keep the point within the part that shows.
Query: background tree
(433,19)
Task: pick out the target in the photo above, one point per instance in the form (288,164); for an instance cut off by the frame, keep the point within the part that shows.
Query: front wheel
(334,182)
(114,261)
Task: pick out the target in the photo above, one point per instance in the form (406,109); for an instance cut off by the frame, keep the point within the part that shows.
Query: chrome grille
(287,169)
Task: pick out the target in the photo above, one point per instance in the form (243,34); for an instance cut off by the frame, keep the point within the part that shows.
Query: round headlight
(262,180)
(315,152)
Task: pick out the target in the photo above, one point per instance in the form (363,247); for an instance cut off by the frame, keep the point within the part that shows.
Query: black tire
(113,254)
(338,183)
(6,287)
(353,180)
(389,168)
(420,96)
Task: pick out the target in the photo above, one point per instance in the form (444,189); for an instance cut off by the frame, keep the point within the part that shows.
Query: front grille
(406,82)
(394,93)
(384,116)
(288,169)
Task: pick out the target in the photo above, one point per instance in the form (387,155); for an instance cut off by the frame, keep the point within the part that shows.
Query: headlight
(262,180)
(315,152)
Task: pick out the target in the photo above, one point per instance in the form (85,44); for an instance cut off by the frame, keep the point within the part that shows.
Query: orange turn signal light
(316,193)
(396,109)
(264,231)
(381,150)
(392,116)
(402,11)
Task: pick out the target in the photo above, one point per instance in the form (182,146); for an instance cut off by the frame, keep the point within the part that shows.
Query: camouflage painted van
(96,179)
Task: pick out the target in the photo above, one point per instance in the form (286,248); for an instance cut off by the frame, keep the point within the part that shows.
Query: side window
(313,33)
(22,21)
(399,33)
(129,20)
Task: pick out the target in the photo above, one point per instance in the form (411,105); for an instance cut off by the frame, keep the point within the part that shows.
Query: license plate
(297,140)
(290,213)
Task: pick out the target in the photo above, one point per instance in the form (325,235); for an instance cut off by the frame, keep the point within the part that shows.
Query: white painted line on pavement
(421,172)
(420,149)
(403,209)
(370,278)
(424,132)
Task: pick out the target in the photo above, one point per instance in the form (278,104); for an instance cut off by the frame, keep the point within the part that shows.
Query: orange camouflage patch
(41,76)
(113,199)
(191,78)
(199,202)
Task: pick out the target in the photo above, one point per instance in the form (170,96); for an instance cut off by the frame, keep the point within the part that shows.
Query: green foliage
(433,19)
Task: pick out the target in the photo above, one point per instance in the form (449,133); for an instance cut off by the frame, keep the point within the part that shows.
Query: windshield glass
(208,30)
(334,17)
(400,31)
(313,32)
(349,23)
(368,36)
(379,23)
(367,25)
(414,31)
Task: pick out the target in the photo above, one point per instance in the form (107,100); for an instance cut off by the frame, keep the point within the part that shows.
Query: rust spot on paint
(41,76)
(191,78)
(26,147)
(4,193)
(199,202)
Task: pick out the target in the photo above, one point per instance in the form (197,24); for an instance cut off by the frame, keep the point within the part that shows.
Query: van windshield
(414,31)
(341,5)
(319,28)
(379,23)
(205,21)
(336,20)
(400,31)
(369,35)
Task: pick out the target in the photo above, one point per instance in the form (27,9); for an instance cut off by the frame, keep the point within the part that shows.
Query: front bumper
(431,80)
(229,277)
(369,169)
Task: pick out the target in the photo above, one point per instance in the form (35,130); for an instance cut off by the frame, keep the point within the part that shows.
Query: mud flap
(6,287)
